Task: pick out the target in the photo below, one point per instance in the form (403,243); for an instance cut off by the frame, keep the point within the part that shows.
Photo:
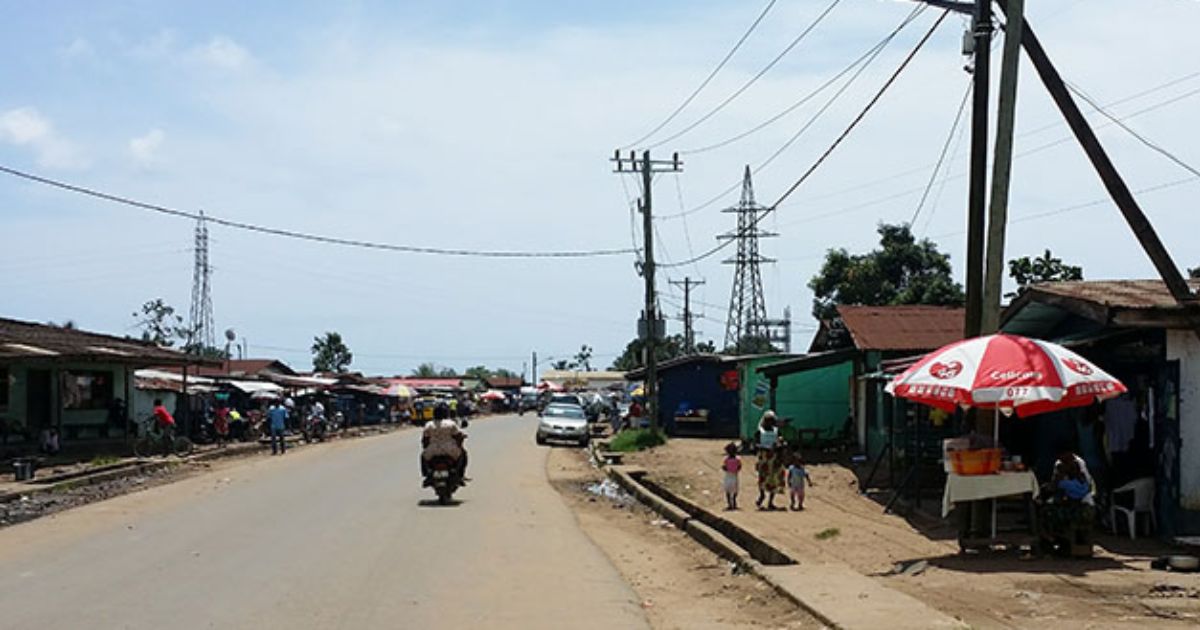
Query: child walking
(732,466)
(796,477)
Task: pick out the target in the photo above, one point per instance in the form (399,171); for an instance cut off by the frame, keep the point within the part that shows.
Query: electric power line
(937,167)
(1140,138)
(799,38)
(813,94)
(703,84)
(868,58)
(306,236)
(829,151)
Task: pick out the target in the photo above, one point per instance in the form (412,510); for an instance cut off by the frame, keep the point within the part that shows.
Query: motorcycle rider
(442,437)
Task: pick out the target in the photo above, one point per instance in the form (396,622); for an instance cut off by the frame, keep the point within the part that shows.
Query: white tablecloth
(961,488)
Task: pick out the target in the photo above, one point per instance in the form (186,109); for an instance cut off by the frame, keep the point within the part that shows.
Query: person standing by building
(277,416)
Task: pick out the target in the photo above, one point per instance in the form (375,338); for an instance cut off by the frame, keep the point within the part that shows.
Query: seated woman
(1067,507)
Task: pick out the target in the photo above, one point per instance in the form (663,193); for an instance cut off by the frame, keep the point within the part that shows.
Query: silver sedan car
(566,423)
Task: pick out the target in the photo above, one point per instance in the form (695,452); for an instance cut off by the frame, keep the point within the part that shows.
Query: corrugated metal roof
(29,340)
(914,327)
(1132,294)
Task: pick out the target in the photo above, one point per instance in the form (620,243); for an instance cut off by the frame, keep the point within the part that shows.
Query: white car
(565,423)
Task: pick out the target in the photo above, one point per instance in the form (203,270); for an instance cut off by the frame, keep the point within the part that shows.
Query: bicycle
(151,441)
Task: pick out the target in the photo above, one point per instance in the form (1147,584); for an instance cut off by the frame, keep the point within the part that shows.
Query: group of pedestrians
(777,466)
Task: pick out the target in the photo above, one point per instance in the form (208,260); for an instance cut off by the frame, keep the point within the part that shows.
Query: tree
(67,324)
(583,359)
(479,372)
(330,353)
(1194,274)
(902,271)
(1047,268)
(670,347)
(159,323)
(505,373)
(706,347)
(433,370)
(561,364)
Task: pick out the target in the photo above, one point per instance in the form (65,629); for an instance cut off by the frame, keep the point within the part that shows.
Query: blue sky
(488,125)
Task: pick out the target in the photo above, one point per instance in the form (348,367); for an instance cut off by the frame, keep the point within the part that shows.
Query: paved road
(334,536)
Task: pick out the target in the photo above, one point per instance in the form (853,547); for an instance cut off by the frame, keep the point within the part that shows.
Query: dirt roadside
(1113,590)
(681,584)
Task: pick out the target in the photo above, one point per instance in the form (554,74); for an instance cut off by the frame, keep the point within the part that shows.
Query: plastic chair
(1143,502)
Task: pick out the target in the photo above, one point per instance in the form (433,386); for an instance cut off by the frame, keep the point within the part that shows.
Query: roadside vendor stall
(1008,375)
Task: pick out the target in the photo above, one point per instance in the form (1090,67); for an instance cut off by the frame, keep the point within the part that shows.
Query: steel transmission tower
(747,306)
(200,317)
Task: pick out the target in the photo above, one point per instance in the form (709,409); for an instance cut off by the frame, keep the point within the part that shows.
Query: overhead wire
(703,84)
(829,151)
(308,236)
(1140,138)
(796,41)
(937,167)
(866,60)
(814,93)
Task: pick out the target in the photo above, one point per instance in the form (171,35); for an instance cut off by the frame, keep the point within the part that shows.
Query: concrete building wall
(1183,346)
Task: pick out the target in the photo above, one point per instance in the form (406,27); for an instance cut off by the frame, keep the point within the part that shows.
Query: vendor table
(960,488)
(966,488)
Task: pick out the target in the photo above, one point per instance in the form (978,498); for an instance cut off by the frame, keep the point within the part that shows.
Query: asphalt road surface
(335,536)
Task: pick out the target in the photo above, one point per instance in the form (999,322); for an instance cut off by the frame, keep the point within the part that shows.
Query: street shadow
(434,503)
(1016,562)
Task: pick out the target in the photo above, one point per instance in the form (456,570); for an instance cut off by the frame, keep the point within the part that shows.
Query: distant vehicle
(563,422)
(566,399)
(528,401)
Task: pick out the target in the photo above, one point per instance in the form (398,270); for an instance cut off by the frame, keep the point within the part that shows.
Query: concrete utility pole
(651,327)
(689,334)
(533,380)
(977,209)
(1002,168)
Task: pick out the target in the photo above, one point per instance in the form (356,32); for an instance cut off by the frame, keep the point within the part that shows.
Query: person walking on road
(166,425)
(732,466)
(769,464)
(277,416)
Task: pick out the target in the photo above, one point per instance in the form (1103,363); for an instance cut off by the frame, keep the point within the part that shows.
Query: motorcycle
(315,428)
(444,478)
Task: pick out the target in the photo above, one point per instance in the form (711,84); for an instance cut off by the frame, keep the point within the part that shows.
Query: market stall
(1007,375)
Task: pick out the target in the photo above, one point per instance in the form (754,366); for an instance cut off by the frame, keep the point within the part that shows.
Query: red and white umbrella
(1007,373)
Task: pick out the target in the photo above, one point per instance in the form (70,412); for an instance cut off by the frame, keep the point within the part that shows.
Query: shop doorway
(38,402)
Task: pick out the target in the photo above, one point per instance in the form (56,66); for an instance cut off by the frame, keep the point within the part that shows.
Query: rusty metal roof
(1131,294)
(902,327)
(32,341)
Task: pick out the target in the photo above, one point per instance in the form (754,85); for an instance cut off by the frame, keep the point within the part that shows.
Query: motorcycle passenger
(443,438)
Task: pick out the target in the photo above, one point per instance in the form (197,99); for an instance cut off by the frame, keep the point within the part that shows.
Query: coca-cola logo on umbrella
(945,371)
(1078,367)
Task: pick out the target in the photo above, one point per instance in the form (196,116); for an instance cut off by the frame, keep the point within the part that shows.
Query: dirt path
(681,584)
(1112,590)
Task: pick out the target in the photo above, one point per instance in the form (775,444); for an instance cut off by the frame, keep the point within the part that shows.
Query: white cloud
(223,53)
(79,48)
(27,127)
(144,149)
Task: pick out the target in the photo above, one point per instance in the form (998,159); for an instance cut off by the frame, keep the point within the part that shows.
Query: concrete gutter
(821,589)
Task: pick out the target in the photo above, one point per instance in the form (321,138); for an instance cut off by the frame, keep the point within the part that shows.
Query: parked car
(528,401)
(566,399)
(563,422)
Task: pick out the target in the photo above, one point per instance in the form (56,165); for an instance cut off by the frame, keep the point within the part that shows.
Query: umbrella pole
(995,444)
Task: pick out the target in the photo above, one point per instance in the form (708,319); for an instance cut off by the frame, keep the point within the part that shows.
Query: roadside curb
(710,538)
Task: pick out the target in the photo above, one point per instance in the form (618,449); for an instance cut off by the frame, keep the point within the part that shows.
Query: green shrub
(826,534)
(104,460)
(636,440)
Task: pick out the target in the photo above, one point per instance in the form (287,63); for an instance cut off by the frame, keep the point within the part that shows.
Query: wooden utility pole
(1002,168)
(689,335)
(977,209)
(650,327)
(1141,226)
